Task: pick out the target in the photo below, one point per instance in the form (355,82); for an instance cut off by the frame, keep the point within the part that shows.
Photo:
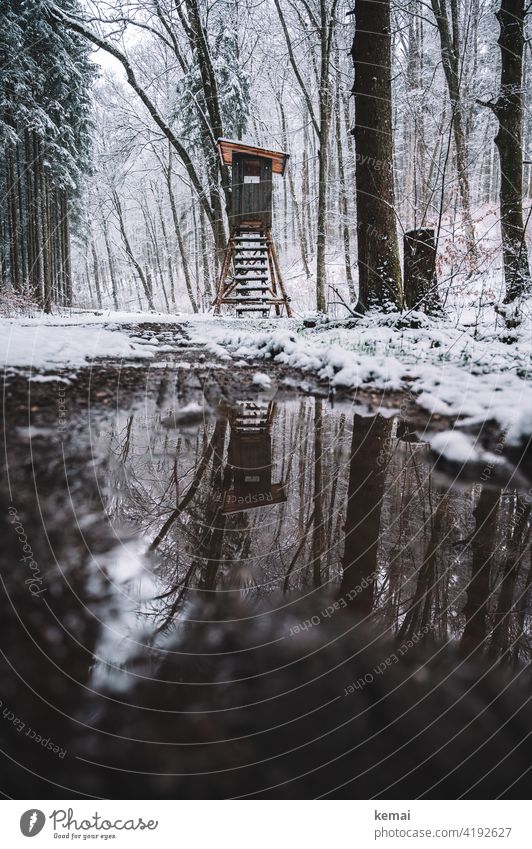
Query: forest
(396,117)
(266,477)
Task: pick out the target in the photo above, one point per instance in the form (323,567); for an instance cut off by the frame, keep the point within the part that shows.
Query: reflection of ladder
(250,280)
(252,416)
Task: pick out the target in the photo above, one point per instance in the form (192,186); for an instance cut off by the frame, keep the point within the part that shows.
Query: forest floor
(464,384)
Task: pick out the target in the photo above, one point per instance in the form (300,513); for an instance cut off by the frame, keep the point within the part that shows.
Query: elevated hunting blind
(248,477)
(250,280)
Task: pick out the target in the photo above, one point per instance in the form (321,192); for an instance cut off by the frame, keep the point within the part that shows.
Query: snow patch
(458,447)
(261,379)
(46,347)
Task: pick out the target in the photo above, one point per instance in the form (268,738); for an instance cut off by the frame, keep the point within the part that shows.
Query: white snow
(189,414)
(458,447)
(470,373)
(462,366)
(65,344)
(261,379)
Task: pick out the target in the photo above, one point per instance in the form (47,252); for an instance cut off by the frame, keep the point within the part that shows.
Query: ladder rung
(261,248)
(239,290)
(261,277)
(249,301)
(271,301)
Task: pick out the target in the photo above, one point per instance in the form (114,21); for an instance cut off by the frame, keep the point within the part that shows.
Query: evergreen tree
(45,124)
(233,83)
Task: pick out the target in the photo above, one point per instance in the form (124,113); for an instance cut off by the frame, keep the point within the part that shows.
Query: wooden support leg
(278,274)
(223,275)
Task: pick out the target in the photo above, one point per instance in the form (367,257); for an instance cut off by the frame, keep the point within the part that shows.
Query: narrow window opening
(251,171)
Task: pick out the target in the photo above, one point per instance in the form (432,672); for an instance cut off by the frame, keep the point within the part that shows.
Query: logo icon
(32,822)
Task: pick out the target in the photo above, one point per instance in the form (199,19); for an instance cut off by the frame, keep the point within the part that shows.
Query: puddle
(228,589)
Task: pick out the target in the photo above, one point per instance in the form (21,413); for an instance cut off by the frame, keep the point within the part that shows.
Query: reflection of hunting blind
(250,279)
(250,458)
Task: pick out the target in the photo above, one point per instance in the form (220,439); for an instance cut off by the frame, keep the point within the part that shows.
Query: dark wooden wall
(252,201)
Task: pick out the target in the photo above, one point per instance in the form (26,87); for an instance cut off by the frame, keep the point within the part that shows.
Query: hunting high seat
(250,280)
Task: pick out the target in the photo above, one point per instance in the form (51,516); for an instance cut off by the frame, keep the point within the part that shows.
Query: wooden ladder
(250,280)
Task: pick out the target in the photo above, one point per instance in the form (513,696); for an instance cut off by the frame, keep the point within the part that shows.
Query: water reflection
(279,498)
(206,639)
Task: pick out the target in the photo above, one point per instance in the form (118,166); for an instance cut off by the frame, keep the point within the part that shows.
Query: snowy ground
(465,366)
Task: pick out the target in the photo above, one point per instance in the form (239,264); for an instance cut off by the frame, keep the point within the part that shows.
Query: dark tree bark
(506,605)
(508,109)
(379,271)
(478,588)
(421,283)
(367,472)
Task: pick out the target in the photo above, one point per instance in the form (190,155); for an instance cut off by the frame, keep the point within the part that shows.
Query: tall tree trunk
(110,262)
(379,271)
(509,140)
(450,53)
(67,261)
(323,159)
(344,224)
(179,235)
(96,274)
(295,205)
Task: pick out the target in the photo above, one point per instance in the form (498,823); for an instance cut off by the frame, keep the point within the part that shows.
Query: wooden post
(280,281)
(420,280)
(223,274)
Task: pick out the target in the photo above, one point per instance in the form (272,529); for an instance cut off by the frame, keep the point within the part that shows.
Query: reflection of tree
(210,544)
(401,558)
(515,549)
(367,470)
(317,498)
(478,588)
(418,615)
(193,488)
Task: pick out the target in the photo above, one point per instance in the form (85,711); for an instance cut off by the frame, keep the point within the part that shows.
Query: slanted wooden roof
(228,146)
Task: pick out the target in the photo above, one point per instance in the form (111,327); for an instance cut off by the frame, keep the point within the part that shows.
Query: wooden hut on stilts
(250,279)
